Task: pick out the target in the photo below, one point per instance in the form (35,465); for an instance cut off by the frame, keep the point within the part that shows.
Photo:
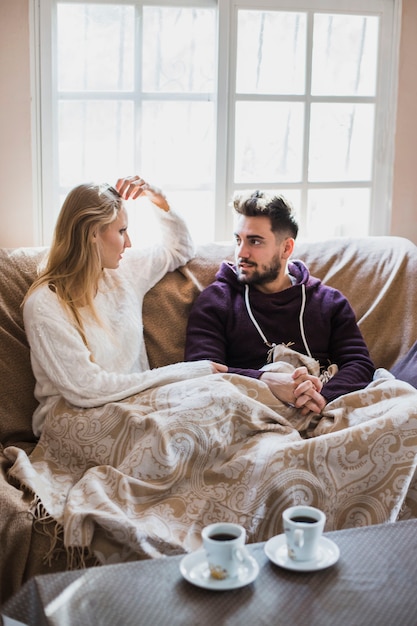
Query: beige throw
(141,477)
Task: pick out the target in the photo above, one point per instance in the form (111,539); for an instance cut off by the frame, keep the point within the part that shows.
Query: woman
(83,314)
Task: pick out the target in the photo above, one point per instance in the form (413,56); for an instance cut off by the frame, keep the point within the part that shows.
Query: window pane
(156,110)
(271,52)
(196,207)
(178,143)
(268,141)
(178,49)
(345,52)
(95,47)
(338,213)
(341,142)
(95,140)
(293,196)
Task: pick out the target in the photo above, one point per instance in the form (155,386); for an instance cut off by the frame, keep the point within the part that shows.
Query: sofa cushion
(166,307)
(17,272)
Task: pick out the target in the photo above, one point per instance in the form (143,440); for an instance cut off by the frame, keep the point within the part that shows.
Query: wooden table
(374,583)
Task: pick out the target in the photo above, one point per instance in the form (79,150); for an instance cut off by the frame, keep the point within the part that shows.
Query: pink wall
(18,223)
(16,211)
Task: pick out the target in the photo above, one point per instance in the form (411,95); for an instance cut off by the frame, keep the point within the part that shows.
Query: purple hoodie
(220,329)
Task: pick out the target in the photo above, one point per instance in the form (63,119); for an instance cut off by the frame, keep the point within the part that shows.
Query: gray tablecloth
(373,583)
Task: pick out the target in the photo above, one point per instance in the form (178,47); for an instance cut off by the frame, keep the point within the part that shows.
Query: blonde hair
(73,264)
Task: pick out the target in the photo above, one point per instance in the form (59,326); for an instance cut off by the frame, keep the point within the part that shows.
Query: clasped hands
(299,389)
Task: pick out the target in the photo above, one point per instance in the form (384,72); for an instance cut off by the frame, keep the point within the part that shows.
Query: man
(264,300)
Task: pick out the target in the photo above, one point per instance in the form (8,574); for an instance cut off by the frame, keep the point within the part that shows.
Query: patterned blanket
(141,477)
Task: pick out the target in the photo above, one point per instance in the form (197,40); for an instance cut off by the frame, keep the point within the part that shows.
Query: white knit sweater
(61,362)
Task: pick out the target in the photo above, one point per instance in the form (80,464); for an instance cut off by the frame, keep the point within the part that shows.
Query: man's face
(259,252)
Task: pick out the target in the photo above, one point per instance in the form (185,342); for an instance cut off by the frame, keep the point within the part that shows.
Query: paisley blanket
(141,477)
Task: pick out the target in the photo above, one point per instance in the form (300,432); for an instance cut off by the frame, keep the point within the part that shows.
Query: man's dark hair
(277,208)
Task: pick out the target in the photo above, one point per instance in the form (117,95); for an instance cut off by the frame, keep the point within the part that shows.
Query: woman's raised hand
(131,187)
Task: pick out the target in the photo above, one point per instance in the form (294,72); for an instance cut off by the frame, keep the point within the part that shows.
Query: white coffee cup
(303,528)
(224,544)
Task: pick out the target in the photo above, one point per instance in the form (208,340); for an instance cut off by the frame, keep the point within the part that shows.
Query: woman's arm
(63,365)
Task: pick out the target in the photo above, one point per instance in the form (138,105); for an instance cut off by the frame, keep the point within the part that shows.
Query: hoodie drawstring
(270,345)
(301,319)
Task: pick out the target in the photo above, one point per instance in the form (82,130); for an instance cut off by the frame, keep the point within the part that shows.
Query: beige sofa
(377,274)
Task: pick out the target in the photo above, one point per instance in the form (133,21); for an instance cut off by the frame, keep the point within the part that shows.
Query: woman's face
(113,240)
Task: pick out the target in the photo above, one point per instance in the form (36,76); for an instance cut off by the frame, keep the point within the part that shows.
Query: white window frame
(44,117)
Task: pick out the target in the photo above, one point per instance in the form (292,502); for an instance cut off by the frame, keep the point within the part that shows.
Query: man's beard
(261,277)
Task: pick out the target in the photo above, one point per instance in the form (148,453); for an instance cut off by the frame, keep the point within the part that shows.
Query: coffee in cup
(224,543)
(303,528)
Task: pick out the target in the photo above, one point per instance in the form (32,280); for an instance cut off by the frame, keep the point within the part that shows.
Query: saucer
(327,554)
(194,568)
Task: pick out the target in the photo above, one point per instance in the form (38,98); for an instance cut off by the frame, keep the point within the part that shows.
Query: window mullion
(307,116)
(225,121)
(138,88)
(388,56)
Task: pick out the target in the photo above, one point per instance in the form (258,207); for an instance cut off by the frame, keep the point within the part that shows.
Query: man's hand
(218,368)
(307,392)
(299,389)
(301,375)
(282,385)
